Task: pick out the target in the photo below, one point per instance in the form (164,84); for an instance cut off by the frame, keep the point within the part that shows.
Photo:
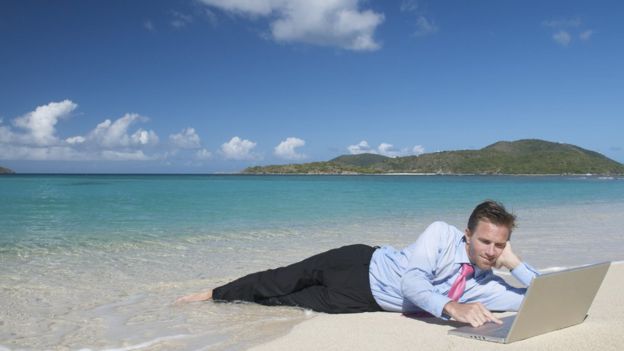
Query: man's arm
(416,282)
(424,256)
(500,295)
(476,313)
(521,271)
(427,256)
(202,296)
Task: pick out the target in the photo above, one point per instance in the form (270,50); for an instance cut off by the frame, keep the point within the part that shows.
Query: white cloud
(76,140)
(409,6)
(144,137)
(245,7)
(38,141)
(586,35)
(286,149)
(361,148)
(385,149)
(238,149)
(338,23)
(40,153)
(211,17)
(390,151)
(180,20)
(149,26)
(566,29)
(186,139)
(418,150)
(40,123)
(562,37)
(6,136)
(137,155)
(424,27)
(203,154)
(115,134)
(563,23)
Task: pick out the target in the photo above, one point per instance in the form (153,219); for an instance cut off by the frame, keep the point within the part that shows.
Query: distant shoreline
(441,174)
(612,176)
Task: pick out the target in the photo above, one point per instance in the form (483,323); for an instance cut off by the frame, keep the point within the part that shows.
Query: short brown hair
(493,212)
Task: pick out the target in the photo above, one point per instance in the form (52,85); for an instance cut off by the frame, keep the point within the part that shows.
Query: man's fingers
(478,319)
(496,320)
(476,314)
(492,318)
(475,321)
(489,315)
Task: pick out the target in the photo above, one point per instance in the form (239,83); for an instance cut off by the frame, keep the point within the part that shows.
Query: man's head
(489,229)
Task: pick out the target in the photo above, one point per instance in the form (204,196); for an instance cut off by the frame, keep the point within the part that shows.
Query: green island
(5,170)
(521,157)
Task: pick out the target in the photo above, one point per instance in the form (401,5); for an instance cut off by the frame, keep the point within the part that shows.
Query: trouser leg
(345,291)
(333,281)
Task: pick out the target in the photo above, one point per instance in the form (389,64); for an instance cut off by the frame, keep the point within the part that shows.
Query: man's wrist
(449,308)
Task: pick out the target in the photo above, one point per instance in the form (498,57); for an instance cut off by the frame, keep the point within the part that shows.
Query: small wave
(141,345)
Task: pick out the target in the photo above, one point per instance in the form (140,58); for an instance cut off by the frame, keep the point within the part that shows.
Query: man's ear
(467,235)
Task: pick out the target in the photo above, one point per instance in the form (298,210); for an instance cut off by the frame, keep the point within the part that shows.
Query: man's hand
(507,258)
(474,313)
(195,297)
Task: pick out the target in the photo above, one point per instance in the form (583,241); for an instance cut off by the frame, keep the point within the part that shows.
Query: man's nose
(490,250)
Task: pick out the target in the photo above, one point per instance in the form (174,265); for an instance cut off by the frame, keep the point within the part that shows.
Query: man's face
(486,243)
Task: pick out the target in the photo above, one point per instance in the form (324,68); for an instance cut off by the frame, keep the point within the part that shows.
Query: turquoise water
(71,209)
(95,261)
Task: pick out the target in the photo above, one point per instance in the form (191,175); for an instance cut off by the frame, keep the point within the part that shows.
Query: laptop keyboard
(494,330)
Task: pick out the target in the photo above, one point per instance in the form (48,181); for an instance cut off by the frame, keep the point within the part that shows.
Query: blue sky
(217,85)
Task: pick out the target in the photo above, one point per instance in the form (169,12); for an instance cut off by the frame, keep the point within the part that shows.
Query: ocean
(94,262)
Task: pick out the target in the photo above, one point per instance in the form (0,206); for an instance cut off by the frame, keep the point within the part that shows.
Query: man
(446,273)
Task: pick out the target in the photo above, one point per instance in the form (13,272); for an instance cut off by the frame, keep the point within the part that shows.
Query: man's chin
(485,265)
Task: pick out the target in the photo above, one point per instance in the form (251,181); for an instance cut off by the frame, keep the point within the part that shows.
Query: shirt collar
(460,254)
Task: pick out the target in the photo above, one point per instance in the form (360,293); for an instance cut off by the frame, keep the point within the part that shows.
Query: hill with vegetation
(5,171)
(528,156)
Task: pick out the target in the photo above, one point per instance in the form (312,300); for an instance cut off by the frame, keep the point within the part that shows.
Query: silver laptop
(553,301)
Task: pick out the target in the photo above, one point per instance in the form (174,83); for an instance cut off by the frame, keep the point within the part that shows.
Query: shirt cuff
(437,303)
(524,273)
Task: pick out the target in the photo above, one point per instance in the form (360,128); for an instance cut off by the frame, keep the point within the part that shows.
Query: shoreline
(392,331)
(581,175)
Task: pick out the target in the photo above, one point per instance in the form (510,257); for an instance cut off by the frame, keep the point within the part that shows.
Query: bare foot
(202,296)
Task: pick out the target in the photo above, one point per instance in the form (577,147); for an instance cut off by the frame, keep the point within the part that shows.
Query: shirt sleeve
(500,296)
(524,273)
(423,257)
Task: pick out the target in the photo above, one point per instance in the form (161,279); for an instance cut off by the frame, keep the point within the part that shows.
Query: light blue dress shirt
(419,277)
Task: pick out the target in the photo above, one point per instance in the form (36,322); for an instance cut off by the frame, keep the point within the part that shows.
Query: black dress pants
(336,281)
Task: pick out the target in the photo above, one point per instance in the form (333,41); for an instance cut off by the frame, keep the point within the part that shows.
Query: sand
(602,330)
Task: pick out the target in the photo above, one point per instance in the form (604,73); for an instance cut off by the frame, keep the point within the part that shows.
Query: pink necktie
(457,289)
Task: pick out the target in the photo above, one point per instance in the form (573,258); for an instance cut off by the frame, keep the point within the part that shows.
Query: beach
(602,330)
(95,262)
